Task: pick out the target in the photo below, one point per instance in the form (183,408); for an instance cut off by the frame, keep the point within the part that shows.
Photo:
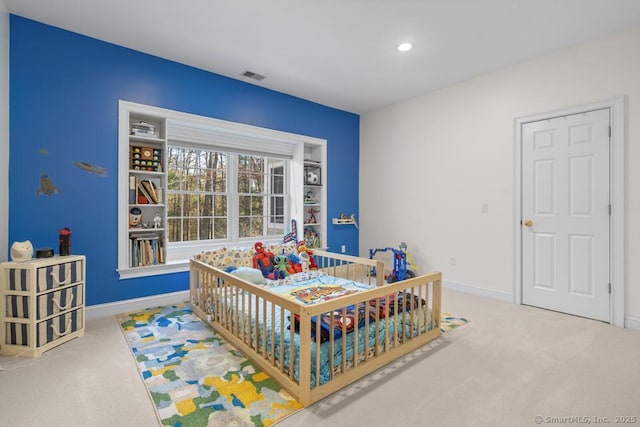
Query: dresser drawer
(47,331)
(46,304)
(54,276)
(59,301)
(50,330)
(47,277)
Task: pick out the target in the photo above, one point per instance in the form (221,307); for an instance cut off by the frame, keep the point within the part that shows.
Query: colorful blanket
(345,320)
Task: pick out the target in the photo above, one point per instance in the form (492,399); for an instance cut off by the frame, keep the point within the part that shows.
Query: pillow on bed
(281,248)
(251,275)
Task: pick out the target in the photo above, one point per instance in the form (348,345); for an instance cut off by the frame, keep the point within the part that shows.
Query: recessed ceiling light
(403,47)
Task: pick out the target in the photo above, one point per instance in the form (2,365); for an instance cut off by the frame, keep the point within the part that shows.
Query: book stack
(145,251)
(143,192)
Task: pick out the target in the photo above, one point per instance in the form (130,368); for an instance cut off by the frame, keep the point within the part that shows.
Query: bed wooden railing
(257,322)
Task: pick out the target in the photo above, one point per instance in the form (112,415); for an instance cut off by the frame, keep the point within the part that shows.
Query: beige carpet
(507,366)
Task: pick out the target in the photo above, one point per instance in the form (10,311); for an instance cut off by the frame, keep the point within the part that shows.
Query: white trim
(475,290)
(632,322)
(4,132)
(185,133)
(616,107)
(154,270)
(285,143)
(100,311)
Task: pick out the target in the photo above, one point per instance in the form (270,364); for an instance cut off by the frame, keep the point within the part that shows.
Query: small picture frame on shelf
(312,175)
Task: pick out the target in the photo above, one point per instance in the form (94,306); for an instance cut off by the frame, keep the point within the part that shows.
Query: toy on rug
(302,247)
(293,263)
(281,264)
(265,261)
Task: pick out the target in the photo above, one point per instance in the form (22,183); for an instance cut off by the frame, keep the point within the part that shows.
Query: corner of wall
(4,131)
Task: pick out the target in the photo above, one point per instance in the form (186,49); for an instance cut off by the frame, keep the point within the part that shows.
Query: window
(224,196)
(197,194)
(261,196)
(221,183)
(276,203)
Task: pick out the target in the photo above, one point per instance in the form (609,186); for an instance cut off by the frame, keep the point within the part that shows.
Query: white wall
(428,164)
(4,130)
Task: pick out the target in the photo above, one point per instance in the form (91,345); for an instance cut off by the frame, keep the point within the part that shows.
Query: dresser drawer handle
(61,308)
(67,329)
(66,281)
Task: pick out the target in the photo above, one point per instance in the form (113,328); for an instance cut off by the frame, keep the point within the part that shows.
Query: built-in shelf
(142,187)
(345,220)
(314,203)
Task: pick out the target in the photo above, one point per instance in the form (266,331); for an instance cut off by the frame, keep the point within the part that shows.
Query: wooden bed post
(380,273)
(304,376)
(437,300)
(192,287)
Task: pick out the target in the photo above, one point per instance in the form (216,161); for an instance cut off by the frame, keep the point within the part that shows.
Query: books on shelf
(143,191)
(132,190)
(145,251)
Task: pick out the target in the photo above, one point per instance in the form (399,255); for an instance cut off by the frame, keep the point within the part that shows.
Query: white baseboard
(474,290)
(629,321)
(632,322)
(111,309)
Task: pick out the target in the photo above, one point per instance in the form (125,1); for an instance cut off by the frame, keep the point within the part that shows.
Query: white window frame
(242,137)
(184,249)
(285,173)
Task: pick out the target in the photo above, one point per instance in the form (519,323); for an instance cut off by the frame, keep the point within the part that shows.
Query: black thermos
(64,238)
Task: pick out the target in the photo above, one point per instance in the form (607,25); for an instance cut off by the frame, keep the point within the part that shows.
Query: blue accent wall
(64,93)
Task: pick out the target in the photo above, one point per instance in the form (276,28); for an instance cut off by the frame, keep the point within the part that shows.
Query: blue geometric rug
(195,378)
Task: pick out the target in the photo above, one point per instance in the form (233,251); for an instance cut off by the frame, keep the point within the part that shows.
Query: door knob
(528,223)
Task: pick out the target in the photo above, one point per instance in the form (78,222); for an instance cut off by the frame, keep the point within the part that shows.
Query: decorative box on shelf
(312,174)
(145,159)
(41,304)
(142,128)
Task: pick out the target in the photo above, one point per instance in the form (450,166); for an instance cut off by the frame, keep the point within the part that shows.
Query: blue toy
(400,257)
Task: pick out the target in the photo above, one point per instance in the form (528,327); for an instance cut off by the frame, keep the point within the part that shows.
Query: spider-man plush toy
(265,262)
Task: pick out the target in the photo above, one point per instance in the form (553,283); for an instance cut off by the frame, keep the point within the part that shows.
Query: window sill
(186,252)
(154,270)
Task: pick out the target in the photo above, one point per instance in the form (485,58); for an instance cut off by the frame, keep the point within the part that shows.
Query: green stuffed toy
(281,264)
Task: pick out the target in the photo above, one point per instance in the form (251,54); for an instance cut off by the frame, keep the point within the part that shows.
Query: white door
(565,214)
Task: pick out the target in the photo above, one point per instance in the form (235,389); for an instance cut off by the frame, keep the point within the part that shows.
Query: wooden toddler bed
(304,336)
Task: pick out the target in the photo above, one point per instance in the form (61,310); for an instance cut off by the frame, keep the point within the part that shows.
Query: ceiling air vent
(252,75)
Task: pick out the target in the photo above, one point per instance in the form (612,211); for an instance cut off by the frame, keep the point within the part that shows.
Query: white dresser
(41,304)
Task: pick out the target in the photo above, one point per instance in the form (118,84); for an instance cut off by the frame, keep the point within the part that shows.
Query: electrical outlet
(343,249)
(452,260)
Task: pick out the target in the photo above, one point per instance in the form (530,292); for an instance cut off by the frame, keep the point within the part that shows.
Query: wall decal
(46,186)
(92,169)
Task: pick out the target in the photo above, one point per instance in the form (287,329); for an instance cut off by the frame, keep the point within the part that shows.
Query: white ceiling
(340,53)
